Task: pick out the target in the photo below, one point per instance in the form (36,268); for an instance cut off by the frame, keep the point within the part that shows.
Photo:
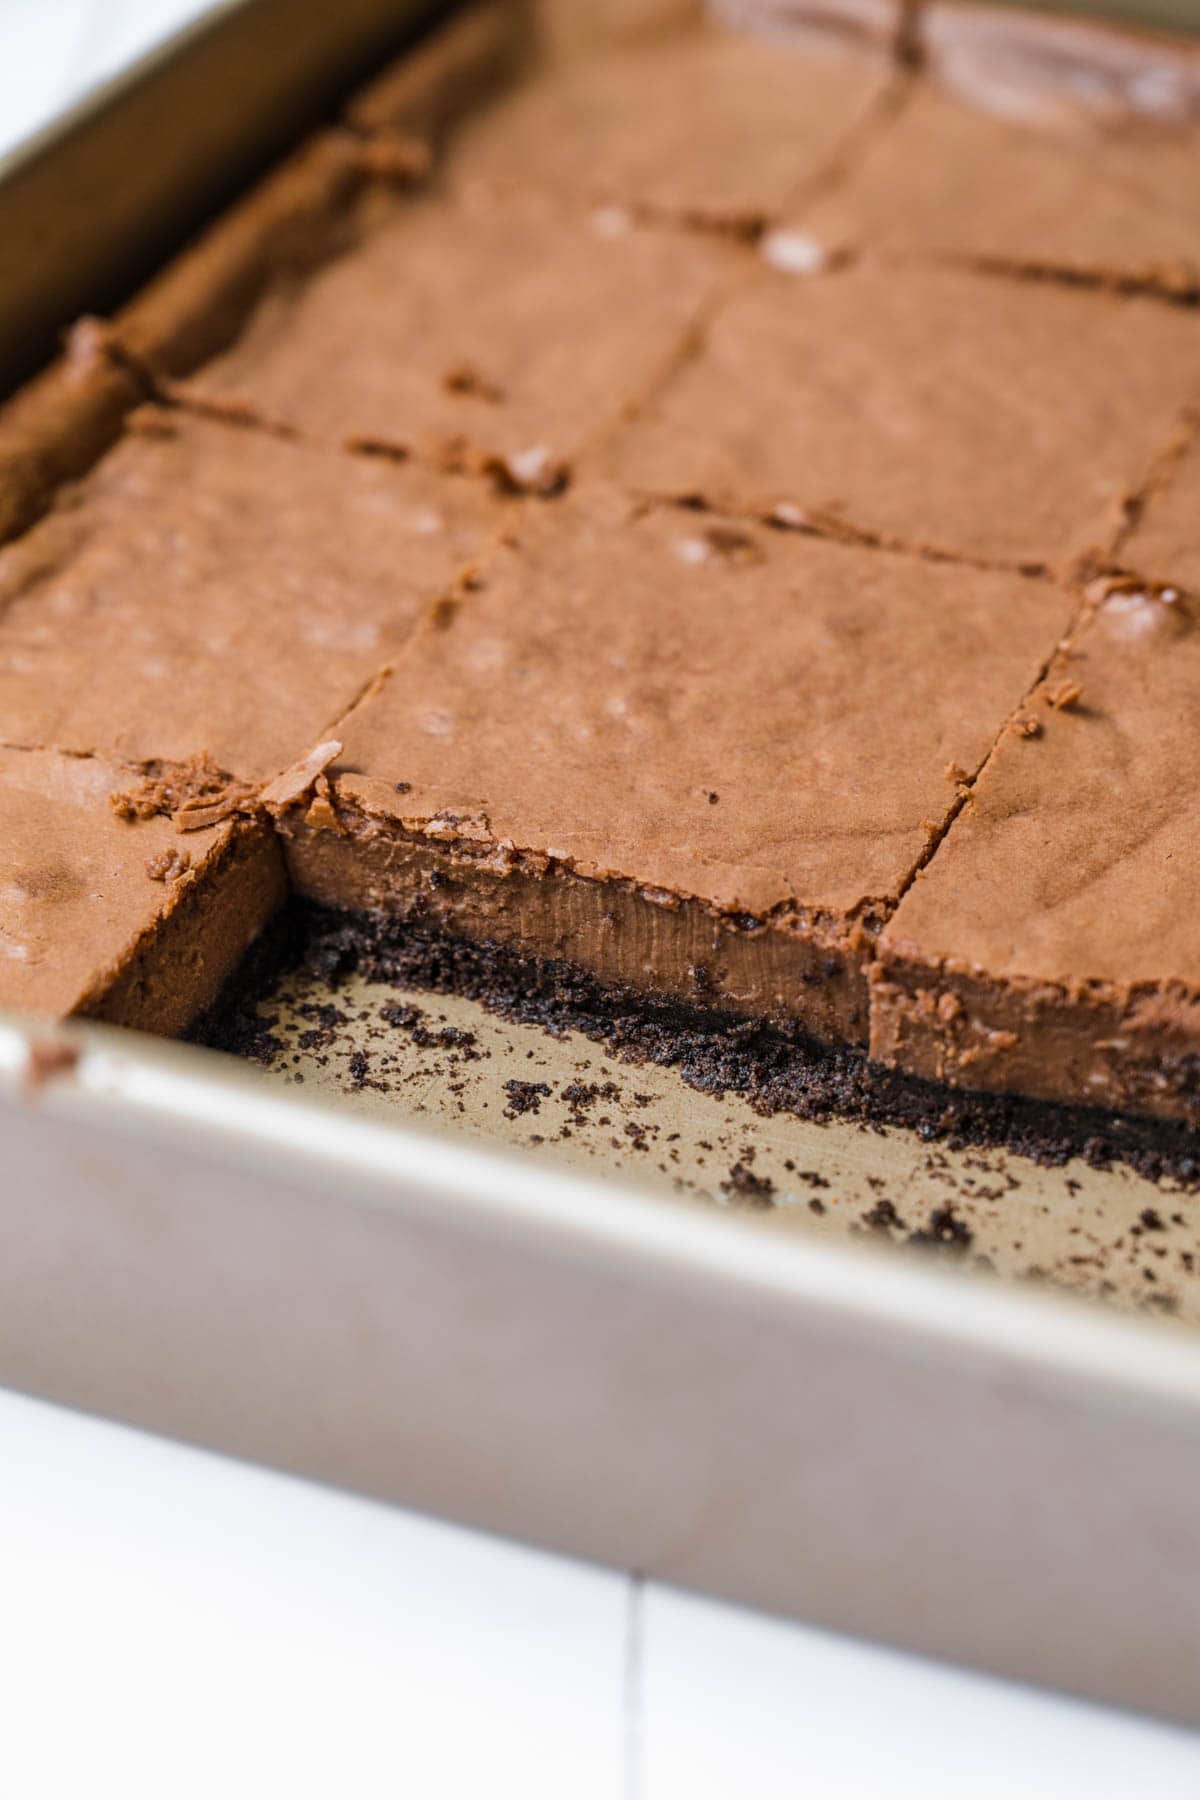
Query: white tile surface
(173,1623)
(53,51)
(733,1703)
(208,1629)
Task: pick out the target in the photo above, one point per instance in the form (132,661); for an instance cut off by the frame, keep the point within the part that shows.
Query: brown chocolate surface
(693,753)
(1053,945)
(458,65)
(56,427)
(561,30)
(715,128)
(780,752)
(118,919)
(235,590)
(315,205)
(488,328)
(1117,203)
(1001,420)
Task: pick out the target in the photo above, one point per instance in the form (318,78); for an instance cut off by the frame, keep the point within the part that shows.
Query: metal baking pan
(367,1265)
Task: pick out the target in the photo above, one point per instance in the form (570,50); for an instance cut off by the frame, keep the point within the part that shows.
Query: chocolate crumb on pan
(743,1185)
(525,1096)
(778,1069)
(945,1231)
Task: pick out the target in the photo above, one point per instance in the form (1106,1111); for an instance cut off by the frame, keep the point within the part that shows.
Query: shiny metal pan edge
(980,1472)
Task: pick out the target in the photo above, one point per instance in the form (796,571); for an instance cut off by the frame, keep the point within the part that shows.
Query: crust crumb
(464,378)
(1064,696)
(734,545)
(168,865)
(300,778)
(358,445)
(533,471)
(322,814)
(195,794)
(396,157)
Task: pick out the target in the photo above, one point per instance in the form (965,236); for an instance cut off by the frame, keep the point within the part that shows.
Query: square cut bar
(1052,947)
(119,920)
(1116,204)
(1164,546)
(708,126)
(1000,420)
(688,756)
(487,330)
(211,589)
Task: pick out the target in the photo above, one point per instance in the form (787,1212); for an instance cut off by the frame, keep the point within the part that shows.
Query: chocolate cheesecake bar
(1052,947)
(1164,544)
(692,755)
(699,511)
(220,592)
(1006,422)
(110,919)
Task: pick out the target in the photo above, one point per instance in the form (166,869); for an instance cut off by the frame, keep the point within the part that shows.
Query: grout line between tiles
(633,1708)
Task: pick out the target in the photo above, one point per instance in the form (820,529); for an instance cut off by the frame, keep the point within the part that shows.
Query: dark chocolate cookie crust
(776,1069)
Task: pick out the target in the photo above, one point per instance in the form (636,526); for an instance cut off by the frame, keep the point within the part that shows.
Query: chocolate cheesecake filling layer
(175,971)
(109,917)
(624,936)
